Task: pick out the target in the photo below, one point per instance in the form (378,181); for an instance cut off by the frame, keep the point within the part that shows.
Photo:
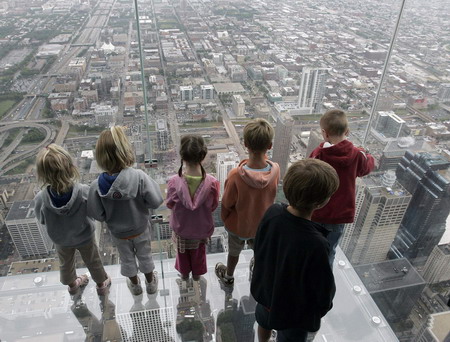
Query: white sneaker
(135,289)
(152,287)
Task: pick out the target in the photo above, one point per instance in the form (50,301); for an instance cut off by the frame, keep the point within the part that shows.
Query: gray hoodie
(125,207)
(67,226)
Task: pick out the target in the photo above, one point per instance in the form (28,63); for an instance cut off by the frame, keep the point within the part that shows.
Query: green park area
(5,106)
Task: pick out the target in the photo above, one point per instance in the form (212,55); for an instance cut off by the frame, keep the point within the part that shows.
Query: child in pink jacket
(192,195)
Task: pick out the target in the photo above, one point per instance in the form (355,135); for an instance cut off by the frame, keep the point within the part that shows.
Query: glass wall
(70,69)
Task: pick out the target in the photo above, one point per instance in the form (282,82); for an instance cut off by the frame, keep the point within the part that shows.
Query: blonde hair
(113,151)
(258,135)
(308,183)
(334,122)
(55,167)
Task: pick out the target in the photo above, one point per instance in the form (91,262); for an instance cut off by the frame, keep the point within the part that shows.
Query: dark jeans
(333,237)
(286,335)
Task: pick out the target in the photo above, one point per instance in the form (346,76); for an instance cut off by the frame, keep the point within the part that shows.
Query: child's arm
(150,192)
(172,197)
(95,207)
(321,281)
(215,194)
(38,209)
(229,198)
(366,163)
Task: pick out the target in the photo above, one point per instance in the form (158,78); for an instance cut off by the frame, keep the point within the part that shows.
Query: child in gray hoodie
(122,197)
(62,207)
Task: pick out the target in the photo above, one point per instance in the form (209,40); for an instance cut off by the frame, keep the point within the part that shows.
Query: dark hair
(334,122)
(308,183)
(192,150)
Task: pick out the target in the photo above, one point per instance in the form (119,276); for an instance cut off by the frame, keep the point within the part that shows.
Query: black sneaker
(221,271)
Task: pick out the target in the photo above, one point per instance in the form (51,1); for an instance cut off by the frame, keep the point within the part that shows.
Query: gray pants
(136,248)
(89,254)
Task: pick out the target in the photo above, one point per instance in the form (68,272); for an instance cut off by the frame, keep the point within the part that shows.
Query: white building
(381,203)
(186,93)
(225,163)
(437,268)
(207,92)
(238,105)
(162,134)
(312,90)
(28,234)
(105,114)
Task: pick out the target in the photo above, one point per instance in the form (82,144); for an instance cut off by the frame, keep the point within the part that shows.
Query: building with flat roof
(282,142)
(225,163)
(436,329)
(394,285)
(229,88)
(162,135)
(381,203)
(437,268)
(387,126)
(186,93)
(312,90)
(238,105)
(427,177)
(28,234)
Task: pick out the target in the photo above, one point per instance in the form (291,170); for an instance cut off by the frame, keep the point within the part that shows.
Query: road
(9,163)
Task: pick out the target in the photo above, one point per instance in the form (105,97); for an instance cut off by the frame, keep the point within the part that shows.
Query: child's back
(349,162)
(249,190)
(62,206)
(292,279)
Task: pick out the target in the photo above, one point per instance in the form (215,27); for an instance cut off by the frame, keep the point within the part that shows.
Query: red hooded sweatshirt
(246,197)
(349,162)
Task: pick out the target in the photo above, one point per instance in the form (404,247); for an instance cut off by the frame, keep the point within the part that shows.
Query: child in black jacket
(292,279)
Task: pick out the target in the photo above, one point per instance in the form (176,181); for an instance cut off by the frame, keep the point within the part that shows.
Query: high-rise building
(28,234)
(380,203)
(162,135)
(427,177)
(225,163)
(394,285)
(437,268)
(444,92)
(207,91)
(238,105)
(315,138)
(282,142)
(387,126)
(395,150)
(186,93)
(312,90)
(435,329)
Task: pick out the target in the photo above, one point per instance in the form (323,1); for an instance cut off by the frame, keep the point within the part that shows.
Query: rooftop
(388,275)
(21,210)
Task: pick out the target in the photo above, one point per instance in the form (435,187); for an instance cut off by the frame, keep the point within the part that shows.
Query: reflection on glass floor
(41,309)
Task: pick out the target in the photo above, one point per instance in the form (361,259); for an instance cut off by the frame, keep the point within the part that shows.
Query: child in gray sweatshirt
(122,197)
(62,207)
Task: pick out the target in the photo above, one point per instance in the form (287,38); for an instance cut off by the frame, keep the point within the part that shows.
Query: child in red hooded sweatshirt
(349,162)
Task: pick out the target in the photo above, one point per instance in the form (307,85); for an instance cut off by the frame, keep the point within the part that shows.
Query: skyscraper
(437,268)
(426,176)
(225,162)
(28,234)
(282,142)
(162,135)
(381,203)
(315,138)
(394,285)
(312,90)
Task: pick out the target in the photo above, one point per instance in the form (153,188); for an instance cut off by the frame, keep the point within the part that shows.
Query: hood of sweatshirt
(70,207)
(342,154)
(201,194)
(125,186)
(258,179)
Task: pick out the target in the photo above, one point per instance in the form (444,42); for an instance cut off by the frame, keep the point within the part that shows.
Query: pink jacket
(246,197)
(192,217)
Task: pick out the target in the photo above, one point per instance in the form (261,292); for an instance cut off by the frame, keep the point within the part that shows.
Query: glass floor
(36,307)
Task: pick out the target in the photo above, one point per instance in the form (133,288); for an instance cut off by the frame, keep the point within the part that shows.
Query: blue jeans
(333,237)
(286,335)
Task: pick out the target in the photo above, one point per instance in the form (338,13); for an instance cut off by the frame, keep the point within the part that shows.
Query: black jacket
(292,276)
